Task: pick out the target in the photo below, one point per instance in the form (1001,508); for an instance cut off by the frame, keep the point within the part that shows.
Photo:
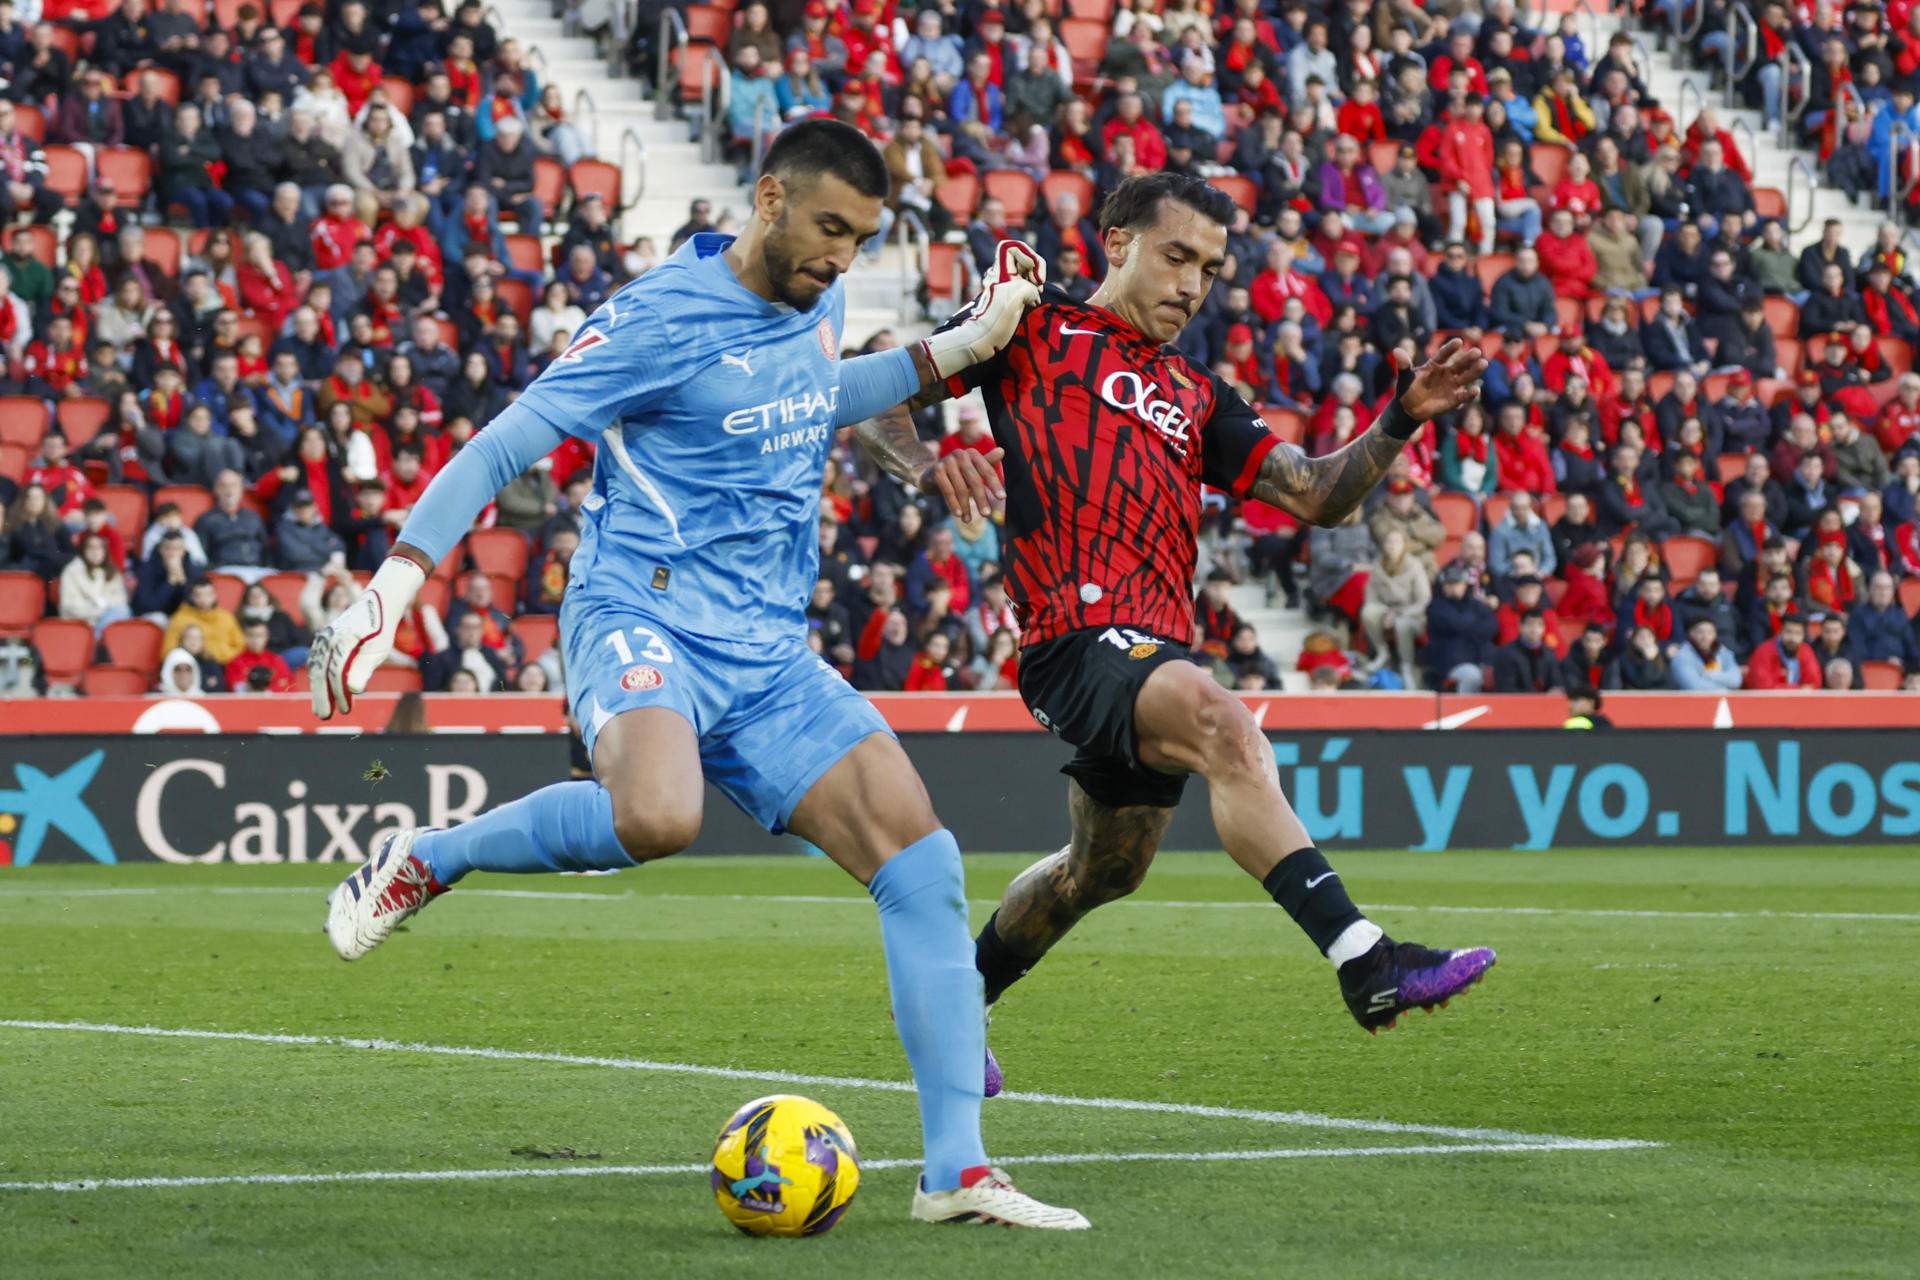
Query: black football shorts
(1081,686)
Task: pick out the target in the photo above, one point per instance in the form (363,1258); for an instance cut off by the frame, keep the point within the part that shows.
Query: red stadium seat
(399,93)
(1240,187)
(506,590)
(1910,596)
(23,420)
(1786,354)
(1658,384)
(449,332)
(114,682)
(1686,555)
(1289,424)
(285,588)
(1769,202)
(498,551)
(1548,160)
(30,120)
(709,24)
(1493,509)
(67,41)
(1066,181)
(537,632)
(1894,353)
(1782,316)
(394,680)
(13,461)
(81,417)
(1880,674)
(549,185)
(131,172)
(1567,311)
(1731,465)
(1490,267)
(168,81)
(46,242)
(692,64)
(127,507)
(1086,41)
(523,254)
(66,173)
(959,194)
(66,648)
(517,294)
(23,601)
(1100,11)
(1383,155)
(133,643)
(1457,513)
(1552,507)
(285,12)
(434,593)
(164,250)
(228,590)
(947,272)
(1014,189)
(192,500)
(1571,630)
(596,176)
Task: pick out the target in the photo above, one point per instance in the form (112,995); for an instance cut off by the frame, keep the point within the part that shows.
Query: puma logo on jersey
(1128,391)
(742,362)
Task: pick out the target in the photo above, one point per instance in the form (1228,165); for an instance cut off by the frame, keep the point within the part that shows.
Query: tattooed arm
(967,480)
(1325,490)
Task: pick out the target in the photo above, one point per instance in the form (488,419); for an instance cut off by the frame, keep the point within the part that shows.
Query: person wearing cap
(866,34)
(828,51)
(1402,513)
(1521,117)
(1741,421)
(1346,284)
(504,167)
(302,540)
(88,118)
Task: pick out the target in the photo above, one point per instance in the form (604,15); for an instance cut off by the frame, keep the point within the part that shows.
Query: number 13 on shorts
(655,651)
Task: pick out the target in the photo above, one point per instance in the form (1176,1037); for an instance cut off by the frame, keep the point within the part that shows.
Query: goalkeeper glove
(988,321)
(352,647)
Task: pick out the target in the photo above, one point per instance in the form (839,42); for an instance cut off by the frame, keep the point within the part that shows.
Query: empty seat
(66,648)
(537,633)
(133,642)
(23,601)
(114,682)
(498,551)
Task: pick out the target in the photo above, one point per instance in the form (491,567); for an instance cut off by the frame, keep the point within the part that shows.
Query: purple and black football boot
(1397,976)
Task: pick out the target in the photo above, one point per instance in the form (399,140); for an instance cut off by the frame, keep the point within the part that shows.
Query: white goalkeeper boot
(987,1195)
(383,892)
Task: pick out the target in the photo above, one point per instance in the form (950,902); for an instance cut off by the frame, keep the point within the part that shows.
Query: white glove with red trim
(988,321)
(351,648)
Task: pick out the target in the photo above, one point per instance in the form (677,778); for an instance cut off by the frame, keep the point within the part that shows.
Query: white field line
(843,899)
(866,1166)
(1299,1119)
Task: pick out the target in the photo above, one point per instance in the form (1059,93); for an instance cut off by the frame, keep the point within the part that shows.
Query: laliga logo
(1129,391)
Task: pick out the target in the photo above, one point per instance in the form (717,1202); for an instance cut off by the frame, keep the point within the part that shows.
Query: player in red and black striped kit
(1108,436)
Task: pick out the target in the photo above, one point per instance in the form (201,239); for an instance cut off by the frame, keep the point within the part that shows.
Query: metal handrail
(673,34)
(1797,165)
(759,150)
(585,108)
(1643,56)
(906,235)
(1743,138)
(1793,59)
(1737,70)
(633,165)
(714,98)
(1838,117)
(537,58)
(622,19)
(1680,111)
(1682,32)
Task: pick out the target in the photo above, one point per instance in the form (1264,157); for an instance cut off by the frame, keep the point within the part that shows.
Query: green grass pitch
(1752,1012)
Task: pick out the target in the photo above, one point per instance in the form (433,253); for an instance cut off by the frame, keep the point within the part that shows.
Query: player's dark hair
(818,148)
(1134,205)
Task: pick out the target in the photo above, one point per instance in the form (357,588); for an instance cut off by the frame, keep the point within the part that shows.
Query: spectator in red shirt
(1149,148)
(337,231)
(56,364)
(1566,259)
(273,675)
(1465,157)
(1459,54)
(1786,661)
(1521,454)
(929,671)
(66,485)
(938,560)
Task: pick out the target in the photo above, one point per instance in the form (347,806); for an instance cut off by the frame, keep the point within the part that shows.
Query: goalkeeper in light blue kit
(714,390)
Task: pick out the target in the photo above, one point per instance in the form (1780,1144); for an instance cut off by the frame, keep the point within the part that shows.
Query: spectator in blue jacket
(1459,302)
(1880,630)
(1460,631)
(976,99)
(1703,664)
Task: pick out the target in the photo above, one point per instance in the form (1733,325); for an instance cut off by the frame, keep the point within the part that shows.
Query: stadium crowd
(260,285)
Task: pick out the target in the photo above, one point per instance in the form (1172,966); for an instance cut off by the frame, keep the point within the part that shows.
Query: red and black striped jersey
(1109,437)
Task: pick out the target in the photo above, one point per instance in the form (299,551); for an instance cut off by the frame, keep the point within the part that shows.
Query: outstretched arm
(965,479)
(1325,490)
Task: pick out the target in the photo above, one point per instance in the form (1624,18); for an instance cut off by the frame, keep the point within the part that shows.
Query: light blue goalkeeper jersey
(714,413)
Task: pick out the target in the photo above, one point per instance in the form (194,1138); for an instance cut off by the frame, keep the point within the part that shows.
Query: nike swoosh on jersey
(1067,332)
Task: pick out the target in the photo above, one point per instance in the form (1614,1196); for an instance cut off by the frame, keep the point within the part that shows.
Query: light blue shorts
(771,720)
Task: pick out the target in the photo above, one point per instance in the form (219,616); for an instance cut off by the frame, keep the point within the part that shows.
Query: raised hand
(1444,383)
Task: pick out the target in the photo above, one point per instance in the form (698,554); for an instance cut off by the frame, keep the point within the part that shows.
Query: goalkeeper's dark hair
(813,149)
(1134,205)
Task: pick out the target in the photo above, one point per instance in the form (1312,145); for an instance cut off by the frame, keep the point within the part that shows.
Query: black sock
(997,962)
(1311,892)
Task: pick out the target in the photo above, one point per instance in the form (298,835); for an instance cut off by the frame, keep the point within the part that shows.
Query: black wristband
(1398,423)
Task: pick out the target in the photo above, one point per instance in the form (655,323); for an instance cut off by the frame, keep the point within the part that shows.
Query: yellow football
(785,1166)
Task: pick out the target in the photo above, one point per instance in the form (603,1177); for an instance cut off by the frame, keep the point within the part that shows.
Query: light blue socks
(565,827)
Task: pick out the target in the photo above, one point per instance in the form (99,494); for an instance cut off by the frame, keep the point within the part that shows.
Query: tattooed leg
(1106,859)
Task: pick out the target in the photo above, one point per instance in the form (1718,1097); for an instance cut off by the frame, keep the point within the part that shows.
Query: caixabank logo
(40,804)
